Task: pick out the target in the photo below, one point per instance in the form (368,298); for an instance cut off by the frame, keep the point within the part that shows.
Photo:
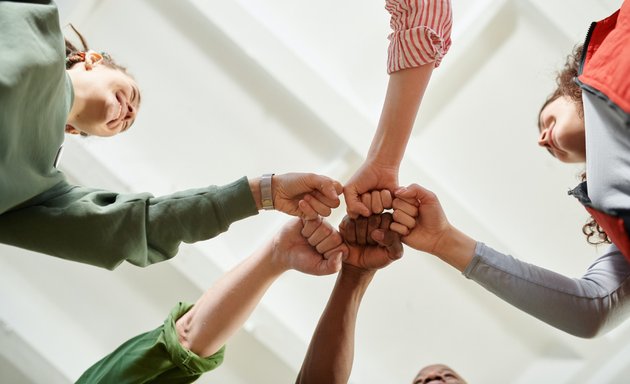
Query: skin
(405,90)
(421,221)
(106,100)
(223,309)
(331,350)
(562,131)
(438,374)
(305,195)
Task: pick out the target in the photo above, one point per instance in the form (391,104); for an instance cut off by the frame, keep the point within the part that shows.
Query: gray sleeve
(584,307)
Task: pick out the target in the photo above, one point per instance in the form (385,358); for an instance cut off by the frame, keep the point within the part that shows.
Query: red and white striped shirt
(421,32)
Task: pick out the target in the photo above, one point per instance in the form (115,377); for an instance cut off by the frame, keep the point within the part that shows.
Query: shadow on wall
(248,74)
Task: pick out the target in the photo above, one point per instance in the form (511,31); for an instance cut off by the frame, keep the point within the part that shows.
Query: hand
(371,176)
(291,250)
(366,252)
(377,201)
(419,218)
(326,240)
(306,195)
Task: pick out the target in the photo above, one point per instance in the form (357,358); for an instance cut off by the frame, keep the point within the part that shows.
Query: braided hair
(75,55)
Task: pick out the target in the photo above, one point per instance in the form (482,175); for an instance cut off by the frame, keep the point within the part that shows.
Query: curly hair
(567,86)
(595,235)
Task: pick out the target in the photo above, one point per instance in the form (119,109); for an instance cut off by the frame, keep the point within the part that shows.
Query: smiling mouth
(120,115)
(553,144)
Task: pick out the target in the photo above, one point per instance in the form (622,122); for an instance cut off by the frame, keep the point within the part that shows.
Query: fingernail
(378,235)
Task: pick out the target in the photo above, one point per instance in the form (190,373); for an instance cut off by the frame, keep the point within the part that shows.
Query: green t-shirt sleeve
(154,357)
(104,228)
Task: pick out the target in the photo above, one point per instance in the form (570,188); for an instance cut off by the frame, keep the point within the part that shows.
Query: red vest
(605,67)
(605,72)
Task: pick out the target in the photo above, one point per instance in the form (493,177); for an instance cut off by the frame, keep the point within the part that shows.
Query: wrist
(254,186)
(266,195)
(456,248)
(261,188)
(277,257)
(354,281)
(383,158)
(357,274)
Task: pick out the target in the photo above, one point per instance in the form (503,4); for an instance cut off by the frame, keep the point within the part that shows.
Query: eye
(551,121)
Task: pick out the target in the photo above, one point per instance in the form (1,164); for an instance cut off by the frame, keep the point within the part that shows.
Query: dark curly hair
(595,234)
(568,87)
(565,82)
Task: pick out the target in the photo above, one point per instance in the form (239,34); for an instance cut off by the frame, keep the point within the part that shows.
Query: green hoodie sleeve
(154,357)
(104,228)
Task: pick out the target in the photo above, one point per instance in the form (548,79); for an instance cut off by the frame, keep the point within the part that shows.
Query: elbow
(182,327)
(589,324)
(586,332)
(589,329)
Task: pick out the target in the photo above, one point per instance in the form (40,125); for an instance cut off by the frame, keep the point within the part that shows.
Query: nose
(131,112)
(543,139)
(432,377)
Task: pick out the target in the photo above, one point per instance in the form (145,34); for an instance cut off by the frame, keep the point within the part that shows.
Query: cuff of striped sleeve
(421,32)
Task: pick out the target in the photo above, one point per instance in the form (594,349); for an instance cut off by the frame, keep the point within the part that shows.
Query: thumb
(332,265)
(406,192)
(355,206)
(378,235)
(389,240)
(327,186)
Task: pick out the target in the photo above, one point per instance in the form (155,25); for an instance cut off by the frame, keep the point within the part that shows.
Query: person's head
(438,374)
(561,118)
(562,130)
(106,97)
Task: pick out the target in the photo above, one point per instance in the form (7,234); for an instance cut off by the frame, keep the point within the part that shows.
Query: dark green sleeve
(105,228)
(154,357)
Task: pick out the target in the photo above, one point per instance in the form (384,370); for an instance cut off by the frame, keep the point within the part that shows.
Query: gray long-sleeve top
(584,307)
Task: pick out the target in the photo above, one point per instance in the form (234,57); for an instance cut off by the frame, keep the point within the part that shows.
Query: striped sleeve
(421,32)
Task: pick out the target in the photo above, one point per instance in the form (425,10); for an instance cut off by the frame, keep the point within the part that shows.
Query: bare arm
(223,308)
(331,350)
(402,101)
(420,38)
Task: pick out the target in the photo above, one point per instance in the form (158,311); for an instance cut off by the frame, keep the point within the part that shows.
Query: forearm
(331,351)
(402,100)
(419,40)
(455,248)
(584,307)
(223,308)
(105,228)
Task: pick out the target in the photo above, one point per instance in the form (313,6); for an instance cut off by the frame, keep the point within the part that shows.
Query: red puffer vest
(605,71)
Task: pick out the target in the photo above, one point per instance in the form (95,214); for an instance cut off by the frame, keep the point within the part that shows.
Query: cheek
(575,131)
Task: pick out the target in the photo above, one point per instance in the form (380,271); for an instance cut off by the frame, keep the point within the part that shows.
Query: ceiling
(245,87)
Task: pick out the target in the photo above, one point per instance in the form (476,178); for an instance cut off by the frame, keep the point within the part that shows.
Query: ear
(72,130)
(92,58)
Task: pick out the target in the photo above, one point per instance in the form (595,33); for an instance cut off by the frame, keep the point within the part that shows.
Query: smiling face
(562,130)
(438,374)
(106,100)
